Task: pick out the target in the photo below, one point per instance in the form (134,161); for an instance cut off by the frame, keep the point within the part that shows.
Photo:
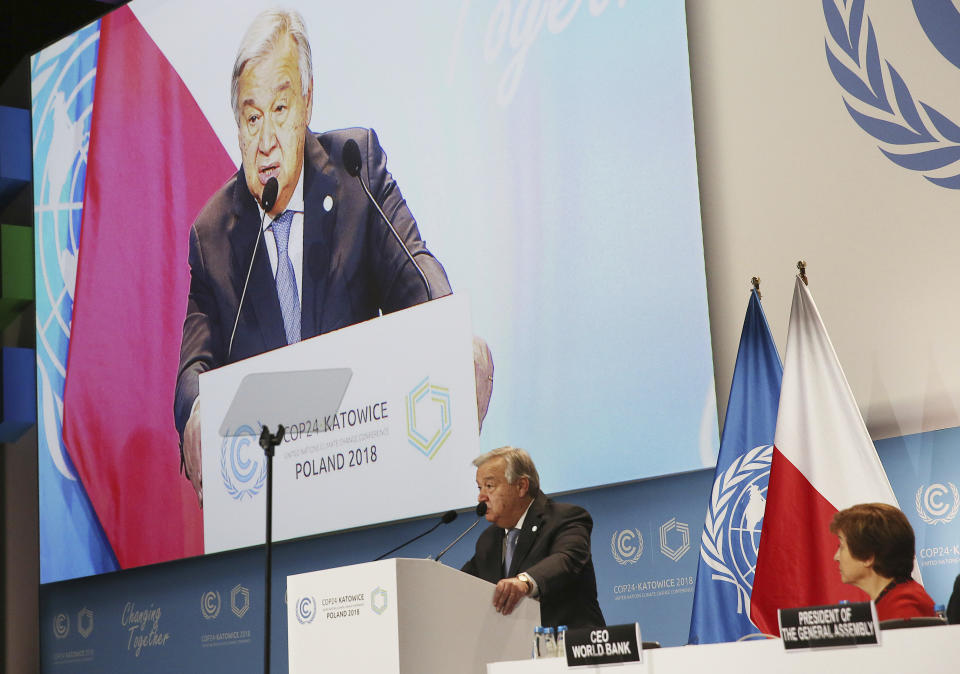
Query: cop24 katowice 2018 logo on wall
(938,503)
(428,417)
(913,134)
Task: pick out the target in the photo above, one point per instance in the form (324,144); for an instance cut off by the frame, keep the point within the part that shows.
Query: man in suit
(326,259)
(533,547)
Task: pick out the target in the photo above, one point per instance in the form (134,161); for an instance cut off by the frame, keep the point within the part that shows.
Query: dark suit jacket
(953,607)
(553,549)
(353,268)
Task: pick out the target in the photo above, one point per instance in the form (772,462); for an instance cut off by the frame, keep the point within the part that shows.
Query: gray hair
(263,35)
(518,464)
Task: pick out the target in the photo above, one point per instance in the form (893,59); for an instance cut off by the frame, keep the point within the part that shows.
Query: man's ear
(523,485)
(310,102)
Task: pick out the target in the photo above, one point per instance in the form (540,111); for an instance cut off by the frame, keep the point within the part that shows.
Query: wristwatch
(524,578)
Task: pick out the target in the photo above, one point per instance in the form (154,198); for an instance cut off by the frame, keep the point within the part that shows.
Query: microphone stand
(456,540)
(269,443)
(481,510)
(411,540)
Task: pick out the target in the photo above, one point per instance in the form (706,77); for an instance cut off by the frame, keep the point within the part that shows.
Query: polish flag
(153,162)
(823,461)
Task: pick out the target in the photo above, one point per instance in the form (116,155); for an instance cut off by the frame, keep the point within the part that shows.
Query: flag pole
(755,282)
(802,266)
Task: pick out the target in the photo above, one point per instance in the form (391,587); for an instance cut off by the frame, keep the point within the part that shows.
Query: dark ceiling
(29,25)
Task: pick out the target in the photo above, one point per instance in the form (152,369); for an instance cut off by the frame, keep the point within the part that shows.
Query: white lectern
(401,616)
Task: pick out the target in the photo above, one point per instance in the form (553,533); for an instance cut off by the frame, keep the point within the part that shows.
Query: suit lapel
(320,192)
(261,291)
(532,526)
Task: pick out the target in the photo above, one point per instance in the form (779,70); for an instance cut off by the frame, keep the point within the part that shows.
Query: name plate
(853,624)
(604,645)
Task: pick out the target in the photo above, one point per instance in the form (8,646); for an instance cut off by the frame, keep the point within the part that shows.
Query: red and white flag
(823,461)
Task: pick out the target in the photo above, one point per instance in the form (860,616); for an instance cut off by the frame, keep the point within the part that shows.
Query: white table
(905,651)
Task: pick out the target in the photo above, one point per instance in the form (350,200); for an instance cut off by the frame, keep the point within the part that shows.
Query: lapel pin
(534,529)
(328,203)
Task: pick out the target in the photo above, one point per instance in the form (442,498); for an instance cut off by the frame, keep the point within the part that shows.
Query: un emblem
(63,81)
(913,134)
(243,466)
(933,504)
(626,546)
(731,532)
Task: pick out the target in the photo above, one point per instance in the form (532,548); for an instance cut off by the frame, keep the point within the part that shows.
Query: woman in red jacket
(876,554)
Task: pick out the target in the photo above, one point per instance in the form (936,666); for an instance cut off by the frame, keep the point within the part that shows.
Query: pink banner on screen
(152,164)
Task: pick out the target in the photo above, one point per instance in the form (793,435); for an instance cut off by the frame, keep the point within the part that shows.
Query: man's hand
(508,594)
(191,452)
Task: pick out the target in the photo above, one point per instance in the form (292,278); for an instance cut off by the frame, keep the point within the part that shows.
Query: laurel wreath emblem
(306,610)
(230,446)
(925,142)
(727,485)
(622,556)
(938,520)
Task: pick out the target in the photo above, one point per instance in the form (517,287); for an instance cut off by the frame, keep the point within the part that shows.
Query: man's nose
(268,136)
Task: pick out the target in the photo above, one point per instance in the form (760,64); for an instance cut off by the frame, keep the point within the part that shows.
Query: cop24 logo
(935,504)
(914,134)
(306,610)
(243,467)
(626,546)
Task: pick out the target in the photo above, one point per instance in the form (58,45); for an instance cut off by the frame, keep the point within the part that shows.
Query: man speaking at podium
(534,547)
(326,258)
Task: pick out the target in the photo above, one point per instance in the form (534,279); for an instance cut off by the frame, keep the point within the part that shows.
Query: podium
(401,616)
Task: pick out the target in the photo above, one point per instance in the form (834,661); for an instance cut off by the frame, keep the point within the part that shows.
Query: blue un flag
(731,532)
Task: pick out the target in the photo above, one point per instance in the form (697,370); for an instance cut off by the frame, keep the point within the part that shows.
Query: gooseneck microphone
(481,511)
(353,162)
(267,199)
(447,518)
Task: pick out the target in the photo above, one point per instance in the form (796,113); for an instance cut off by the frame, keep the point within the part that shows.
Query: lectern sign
(851,624)
(369,410)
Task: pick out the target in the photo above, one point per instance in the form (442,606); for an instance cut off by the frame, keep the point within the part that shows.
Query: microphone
(481,511)
(267,199)
(353,162)
(447,518)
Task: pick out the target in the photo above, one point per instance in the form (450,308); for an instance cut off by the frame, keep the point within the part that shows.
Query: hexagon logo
(239,600)
(428,417)
(681,546)
(85,622)
(378,600)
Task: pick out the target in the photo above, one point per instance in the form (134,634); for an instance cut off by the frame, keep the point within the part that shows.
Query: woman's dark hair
(880,531)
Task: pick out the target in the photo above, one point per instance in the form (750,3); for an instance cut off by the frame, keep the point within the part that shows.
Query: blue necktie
(286,280)
(512,537)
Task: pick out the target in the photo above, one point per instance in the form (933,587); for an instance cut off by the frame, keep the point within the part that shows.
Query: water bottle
(561,641)
(549,644)
(537,642)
